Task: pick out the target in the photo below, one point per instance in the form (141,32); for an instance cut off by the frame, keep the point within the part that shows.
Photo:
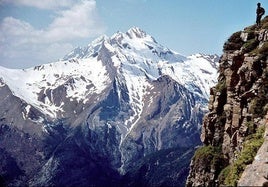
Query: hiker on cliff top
(260,12)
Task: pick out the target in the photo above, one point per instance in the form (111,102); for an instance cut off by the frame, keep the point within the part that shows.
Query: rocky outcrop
(256,174)
(232,131)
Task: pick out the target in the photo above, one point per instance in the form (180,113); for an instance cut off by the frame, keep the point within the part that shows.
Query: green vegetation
(232,173)
(209,157)
(251,34)
(207,152)
(221,86)
(221,119)
(258,105)
(234,42)
(250,45)
(251,127)
(263,50)
(264,23)
(223,174)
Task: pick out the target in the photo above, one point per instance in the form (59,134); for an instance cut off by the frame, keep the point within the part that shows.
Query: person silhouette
(260,12)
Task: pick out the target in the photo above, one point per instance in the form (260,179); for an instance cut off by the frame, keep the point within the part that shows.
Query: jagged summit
(99,40)
(136,32)
(134,40)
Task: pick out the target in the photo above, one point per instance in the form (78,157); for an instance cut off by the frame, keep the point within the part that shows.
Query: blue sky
(34,32)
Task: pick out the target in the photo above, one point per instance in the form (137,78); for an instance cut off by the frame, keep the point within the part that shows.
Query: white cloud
(79,21)
(20,42)
(17,32)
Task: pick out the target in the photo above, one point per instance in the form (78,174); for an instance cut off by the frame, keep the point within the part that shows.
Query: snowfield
(134,57)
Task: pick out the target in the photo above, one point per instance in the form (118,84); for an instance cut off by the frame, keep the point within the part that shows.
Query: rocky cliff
(234,128)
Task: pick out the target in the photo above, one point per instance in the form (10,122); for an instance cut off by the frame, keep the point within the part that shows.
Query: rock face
(256,174)
(232,130)
(123,111)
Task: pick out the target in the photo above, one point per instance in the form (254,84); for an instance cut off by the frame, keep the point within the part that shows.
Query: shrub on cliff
(264,23)
(250,45)
(209,157)
(232,173)
(234,42)
(258,105)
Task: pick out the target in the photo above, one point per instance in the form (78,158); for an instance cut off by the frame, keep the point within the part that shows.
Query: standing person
(260,12)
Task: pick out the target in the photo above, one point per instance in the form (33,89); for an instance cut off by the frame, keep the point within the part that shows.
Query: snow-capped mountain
(119,99)
(134,55)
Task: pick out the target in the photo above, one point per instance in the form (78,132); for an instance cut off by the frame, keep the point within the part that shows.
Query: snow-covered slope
(105,114)
(27,84)
(133,55)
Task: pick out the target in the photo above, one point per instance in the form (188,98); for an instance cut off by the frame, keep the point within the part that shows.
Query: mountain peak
(99,40)
(136,32)
(134,37)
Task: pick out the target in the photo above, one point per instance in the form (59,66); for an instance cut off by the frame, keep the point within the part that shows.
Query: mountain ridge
(151,69)
(121,105)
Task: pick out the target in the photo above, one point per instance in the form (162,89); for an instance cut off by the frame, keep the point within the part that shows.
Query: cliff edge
(234,150)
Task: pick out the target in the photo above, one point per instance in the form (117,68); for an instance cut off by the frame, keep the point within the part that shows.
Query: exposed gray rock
(237,106)
(256,174)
